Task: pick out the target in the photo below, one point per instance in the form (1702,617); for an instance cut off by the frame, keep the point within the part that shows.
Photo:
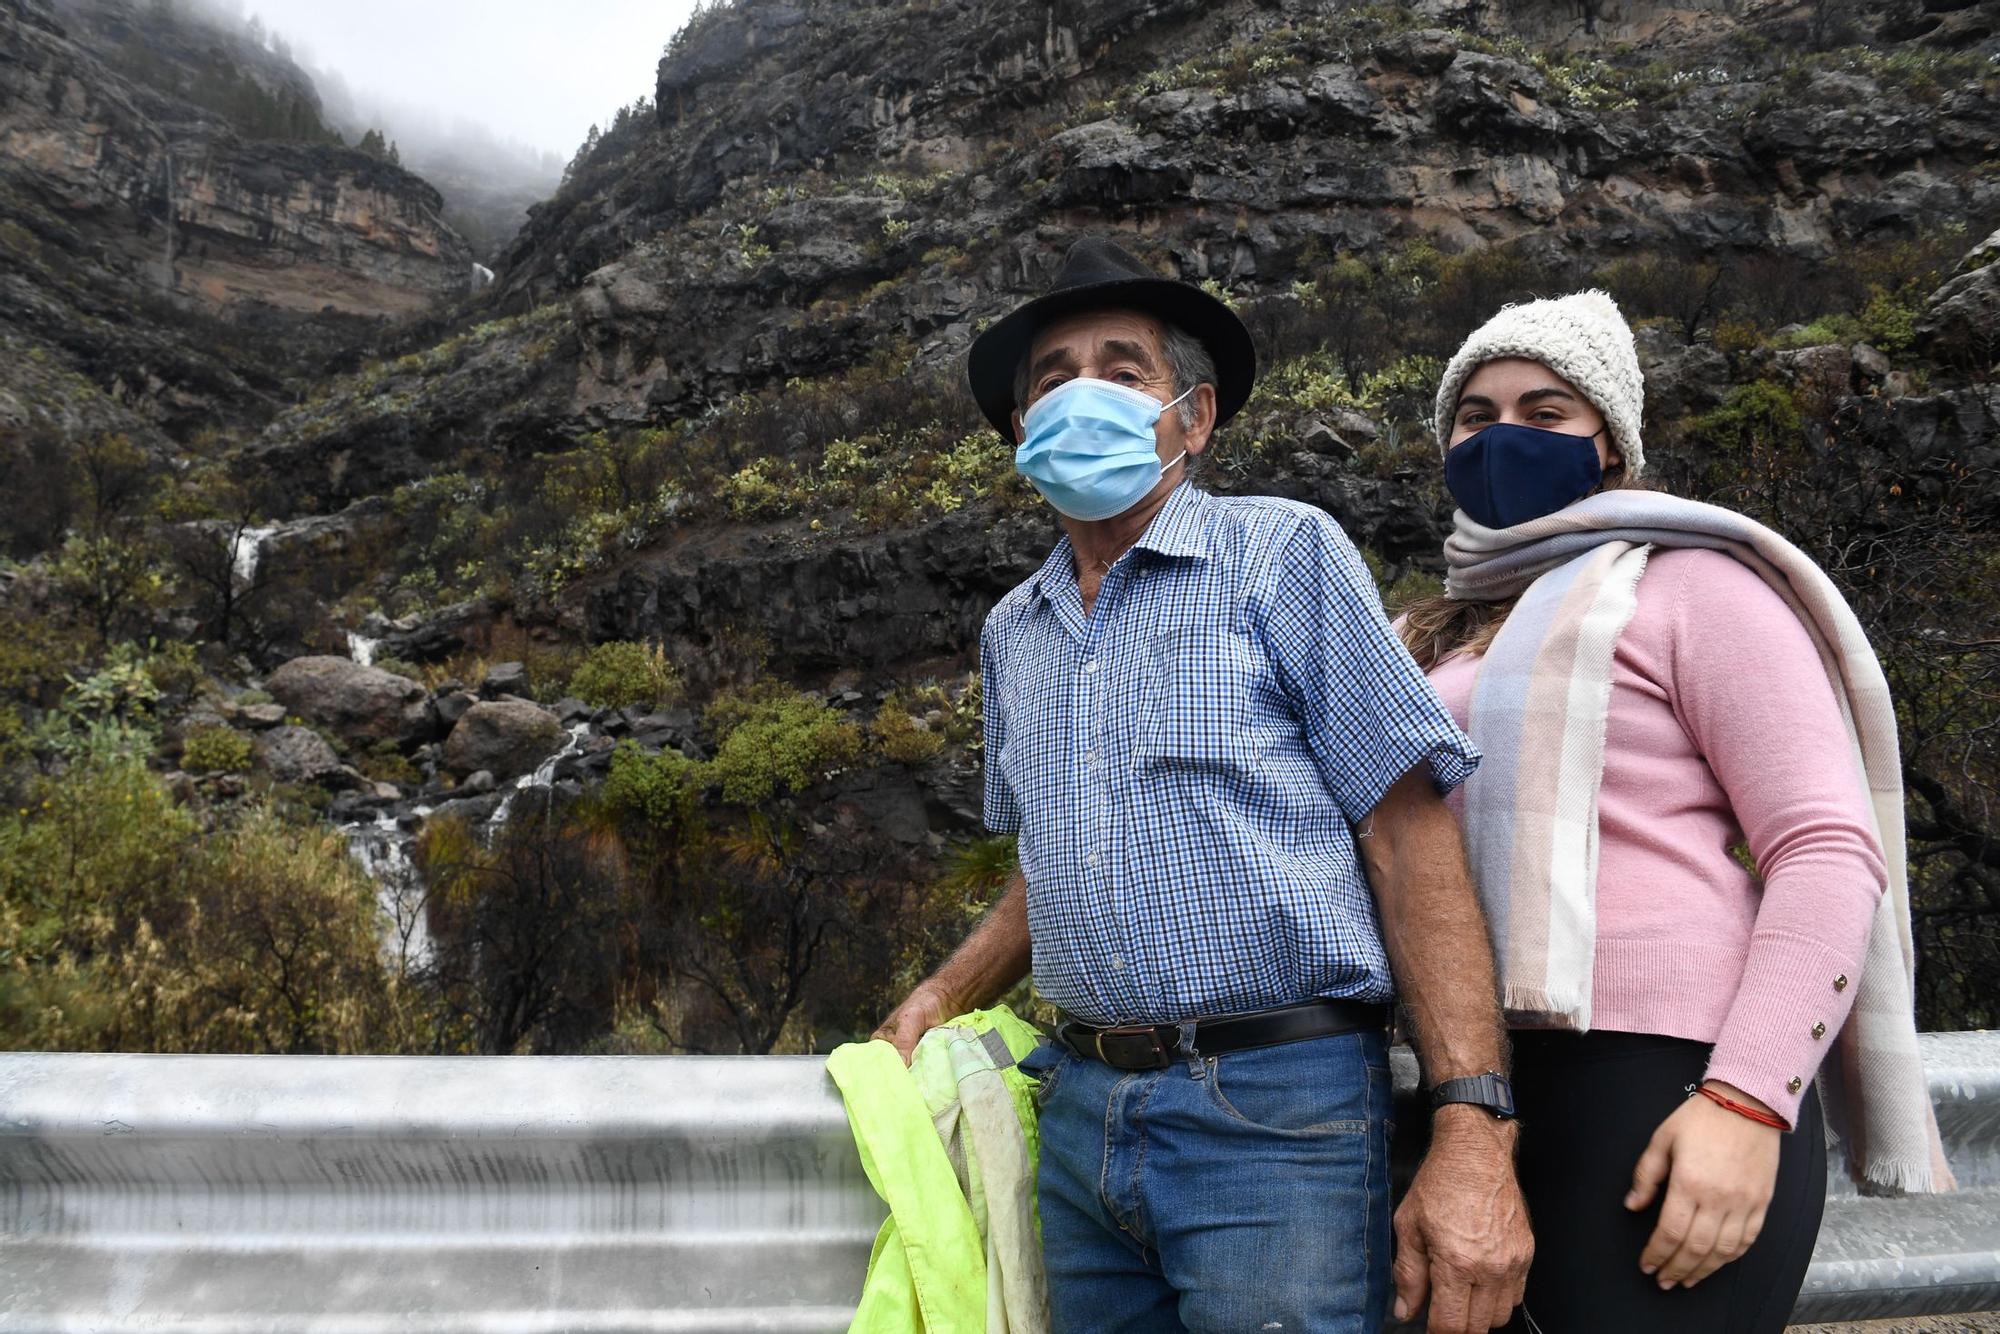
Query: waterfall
(543,777)
(361,648)
(481,275)
(382,847)
(167,267)
(249,546)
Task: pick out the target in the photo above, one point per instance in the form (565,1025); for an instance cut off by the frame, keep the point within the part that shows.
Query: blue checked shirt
(1183,765)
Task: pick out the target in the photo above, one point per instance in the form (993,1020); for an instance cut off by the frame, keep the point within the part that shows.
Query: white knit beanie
(1580,337)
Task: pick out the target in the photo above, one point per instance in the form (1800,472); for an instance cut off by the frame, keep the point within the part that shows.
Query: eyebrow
(1060,356)
(1113,348)
(1532,396)
(1121,347)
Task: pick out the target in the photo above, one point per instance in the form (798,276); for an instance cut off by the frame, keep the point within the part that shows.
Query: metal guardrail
(509,1195)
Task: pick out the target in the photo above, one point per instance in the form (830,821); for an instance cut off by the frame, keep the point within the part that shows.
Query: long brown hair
(1435,627)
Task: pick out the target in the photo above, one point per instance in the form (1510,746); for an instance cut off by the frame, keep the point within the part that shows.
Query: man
(1202,729)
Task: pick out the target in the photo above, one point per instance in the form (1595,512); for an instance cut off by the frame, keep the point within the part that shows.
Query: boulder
(260,715)
(1427,51)
(291,754)
(1961,321)
(451,706)
(505,737)
(1323,439)
(1871,368)
(1344,99)
(1829,367)
(362,705)
(1492,98)
(504,678)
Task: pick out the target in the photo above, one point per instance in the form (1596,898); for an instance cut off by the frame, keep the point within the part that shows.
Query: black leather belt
(1154,1046)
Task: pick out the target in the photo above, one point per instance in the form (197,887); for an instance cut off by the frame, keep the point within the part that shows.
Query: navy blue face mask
(1509,474)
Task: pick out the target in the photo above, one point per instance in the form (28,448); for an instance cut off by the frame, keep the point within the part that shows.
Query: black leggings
(1589,1102)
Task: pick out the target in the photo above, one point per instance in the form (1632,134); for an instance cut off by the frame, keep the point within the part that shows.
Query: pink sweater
(1723,731)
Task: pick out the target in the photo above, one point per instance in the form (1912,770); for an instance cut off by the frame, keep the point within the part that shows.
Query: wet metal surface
(222,1194)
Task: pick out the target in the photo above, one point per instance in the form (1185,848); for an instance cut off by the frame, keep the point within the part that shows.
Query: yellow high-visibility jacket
(949,1144)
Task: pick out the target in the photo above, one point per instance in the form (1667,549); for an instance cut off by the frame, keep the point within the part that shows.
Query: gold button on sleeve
(1840,983)
(1819,1030)
(1794,1084)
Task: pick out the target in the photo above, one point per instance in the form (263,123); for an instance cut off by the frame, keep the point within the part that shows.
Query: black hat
(1098,275)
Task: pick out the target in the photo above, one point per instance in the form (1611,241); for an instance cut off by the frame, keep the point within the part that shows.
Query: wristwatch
(1492,1091)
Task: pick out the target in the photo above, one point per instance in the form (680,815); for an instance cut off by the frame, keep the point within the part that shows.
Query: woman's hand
(1720,1168)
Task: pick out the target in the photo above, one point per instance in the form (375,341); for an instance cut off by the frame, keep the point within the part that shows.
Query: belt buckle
(1161,1056)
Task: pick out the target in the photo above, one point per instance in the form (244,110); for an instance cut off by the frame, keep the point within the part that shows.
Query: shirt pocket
(1202,708)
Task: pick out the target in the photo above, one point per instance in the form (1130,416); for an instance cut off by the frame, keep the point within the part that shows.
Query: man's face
(1124,347)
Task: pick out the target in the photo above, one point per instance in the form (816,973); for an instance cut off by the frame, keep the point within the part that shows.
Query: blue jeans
(1248,1191)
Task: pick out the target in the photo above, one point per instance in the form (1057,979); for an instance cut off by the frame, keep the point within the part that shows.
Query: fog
(486,99)
(520,72)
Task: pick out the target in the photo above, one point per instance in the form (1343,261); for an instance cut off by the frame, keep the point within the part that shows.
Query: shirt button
(1840,983)
(1090,859)
(1819,1030)
(1117,961)
(1090,757)
(1794,1084)
(1090,666)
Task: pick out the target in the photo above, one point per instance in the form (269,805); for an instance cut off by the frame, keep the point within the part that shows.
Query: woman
(1663,690)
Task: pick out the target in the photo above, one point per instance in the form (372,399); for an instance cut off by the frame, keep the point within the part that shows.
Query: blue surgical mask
(1090,448)
(1509,474)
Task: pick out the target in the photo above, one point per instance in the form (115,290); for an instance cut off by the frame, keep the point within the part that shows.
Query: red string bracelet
(1761,1118)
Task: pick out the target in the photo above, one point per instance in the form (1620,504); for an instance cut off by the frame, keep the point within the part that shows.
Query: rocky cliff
(159,165)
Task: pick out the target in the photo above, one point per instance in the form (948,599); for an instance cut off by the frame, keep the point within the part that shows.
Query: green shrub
(1760,413)
(780,744)
(624,674)
(126,925)
(903,738)
(663,790)
(385,763)
(759,491)
(215,750)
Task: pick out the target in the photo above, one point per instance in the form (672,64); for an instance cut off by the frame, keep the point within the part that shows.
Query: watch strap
(1494,1092)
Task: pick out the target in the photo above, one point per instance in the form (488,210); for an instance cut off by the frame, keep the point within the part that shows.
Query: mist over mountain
(488,181)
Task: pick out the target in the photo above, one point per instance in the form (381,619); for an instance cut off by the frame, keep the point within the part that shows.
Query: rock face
(240,225)
(293,754)
(158,170)
(504,737)
(364,705)
(1350,142)
(1961,322)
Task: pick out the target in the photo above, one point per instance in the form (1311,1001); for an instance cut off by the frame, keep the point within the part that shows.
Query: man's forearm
(994,957)
(1435,931)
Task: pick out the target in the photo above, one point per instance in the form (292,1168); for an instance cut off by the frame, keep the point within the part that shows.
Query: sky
(539,72)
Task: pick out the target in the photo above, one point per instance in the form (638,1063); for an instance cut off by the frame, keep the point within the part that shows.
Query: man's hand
(922,1010)
(992,959)
(1720,1169)
(1462,1237)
